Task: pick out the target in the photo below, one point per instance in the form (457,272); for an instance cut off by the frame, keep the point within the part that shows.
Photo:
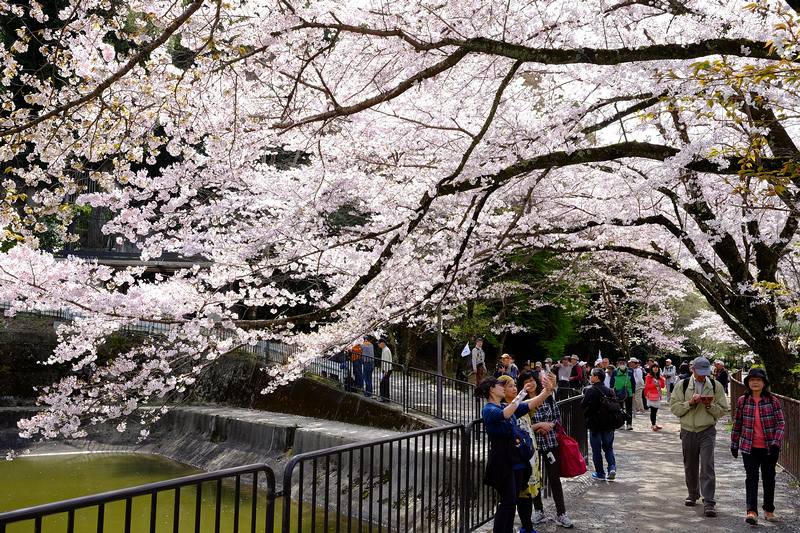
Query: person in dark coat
(721,374)
(601,439)
(504,466)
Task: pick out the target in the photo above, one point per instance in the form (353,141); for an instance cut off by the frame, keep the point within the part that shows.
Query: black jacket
(591,402)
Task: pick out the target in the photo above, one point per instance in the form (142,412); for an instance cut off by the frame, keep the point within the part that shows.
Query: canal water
(34,480)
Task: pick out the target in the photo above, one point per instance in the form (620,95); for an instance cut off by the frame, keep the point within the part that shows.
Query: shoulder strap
(686,385)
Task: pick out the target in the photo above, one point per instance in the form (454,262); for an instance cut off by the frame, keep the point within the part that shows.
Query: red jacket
(652,391)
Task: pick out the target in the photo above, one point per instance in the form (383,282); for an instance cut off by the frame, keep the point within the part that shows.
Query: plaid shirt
(772,422)
(547,412)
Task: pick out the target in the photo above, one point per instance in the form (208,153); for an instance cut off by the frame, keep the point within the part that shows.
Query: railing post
(466,464)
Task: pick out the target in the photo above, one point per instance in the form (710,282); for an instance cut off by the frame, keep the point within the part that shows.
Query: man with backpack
(622,381)
(699,401)
(603,416)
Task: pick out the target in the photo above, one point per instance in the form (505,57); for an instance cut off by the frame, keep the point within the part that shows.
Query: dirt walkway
(649,490)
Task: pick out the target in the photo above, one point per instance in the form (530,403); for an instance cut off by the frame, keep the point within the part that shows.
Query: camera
(550,457)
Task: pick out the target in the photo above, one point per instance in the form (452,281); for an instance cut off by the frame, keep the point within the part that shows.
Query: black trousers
(629,409)
(504,515)
(525,505)
(760,458)
(384,385)
(554,479)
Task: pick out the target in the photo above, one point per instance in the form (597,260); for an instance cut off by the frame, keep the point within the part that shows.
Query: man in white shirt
(638,378)
(478,360)
(603,363)
(386,369)
(564,372)
(668,373)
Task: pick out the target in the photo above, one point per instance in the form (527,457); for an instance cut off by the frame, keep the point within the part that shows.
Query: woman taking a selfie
(504,466)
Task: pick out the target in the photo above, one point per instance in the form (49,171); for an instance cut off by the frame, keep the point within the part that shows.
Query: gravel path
(649,490)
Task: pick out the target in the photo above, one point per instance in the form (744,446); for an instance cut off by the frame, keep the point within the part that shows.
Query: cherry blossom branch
(108,82)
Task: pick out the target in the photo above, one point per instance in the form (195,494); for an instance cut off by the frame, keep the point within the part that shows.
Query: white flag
(466,351)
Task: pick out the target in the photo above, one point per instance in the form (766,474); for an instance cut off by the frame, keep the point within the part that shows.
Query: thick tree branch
(402,87)
(585,55)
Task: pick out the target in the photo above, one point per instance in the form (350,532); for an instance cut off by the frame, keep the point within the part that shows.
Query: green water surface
(34,480)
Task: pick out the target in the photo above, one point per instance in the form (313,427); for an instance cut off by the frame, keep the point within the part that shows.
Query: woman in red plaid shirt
(758,428)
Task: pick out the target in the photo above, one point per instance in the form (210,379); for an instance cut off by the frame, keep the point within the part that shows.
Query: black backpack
(610,414)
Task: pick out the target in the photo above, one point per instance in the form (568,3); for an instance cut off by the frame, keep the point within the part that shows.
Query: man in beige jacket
(699,401)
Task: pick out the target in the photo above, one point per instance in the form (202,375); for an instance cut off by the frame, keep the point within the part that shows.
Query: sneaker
(689,502)
(752,518)
(708,510)
(630,427)
(538,517)
(611,475)
(598,476)
(657,427)
(564,521)
(770,516)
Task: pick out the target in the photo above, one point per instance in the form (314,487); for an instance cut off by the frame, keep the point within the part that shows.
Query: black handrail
(403,483)
(100,500)
(412,388)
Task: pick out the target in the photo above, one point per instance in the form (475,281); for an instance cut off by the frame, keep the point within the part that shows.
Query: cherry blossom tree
(458,134)
(711,335)
(633,305)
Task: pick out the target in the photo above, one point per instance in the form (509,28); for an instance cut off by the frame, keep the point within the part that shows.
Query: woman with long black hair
(653,385)
(505,468)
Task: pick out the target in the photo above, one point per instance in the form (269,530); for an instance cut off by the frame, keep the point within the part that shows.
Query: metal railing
(162,506)
(429,480)
(441,396)
(415,390)
(480,500)
(408,483)
(789,458)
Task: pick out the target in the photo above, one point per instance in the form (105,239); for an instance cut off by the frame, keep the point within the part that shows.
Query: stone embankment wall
(225,421)
(25,343)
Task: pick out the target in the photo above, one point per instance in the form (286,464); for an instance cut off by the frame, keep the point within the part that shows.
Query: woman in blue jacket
(504,466)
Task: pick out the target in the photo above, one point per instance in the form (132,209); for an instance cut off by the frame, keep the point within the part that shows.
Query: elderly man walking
(699,401)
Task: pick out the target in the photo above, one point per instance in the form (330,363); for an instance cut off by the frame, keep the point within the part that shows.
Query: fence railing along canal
(415,390)
(194,501)
(429,480)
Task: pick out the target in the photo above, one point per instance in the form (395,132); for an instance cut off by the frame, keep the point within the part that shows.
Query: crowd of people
(696,393)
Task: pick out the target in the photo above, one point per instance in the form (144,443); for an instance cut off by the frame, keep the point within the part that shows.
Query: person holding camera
(699,401)
(505,469)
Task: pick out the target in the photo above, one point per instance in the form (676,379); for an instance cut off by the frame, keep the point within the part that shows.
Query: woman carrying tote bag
(652,391)
(544,421)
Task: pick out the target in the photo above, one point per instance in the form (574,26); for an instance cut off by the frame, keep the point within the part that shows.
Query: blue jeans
(602,442)
(358,374)
(369,367)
